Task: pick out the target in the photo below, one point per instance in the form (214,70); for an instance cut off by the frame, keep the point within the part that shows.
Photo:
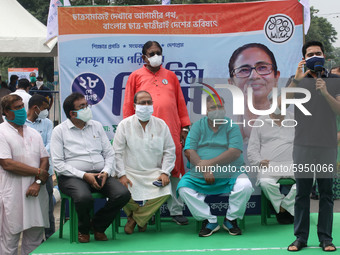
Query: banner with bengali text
(22,73)
(100,46)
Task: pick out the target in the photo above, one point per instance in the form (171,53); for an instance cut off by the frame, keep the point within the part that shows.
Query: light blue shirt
(44,127)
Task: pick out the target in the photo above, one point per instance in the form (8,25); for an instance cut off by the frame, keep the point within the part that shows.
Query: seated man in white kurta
(23,173)
(145,153)
(270,148)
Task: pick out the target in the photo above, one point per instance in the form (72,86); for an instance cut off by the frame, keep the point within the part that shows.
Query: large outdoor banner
(100,46)
(22,72)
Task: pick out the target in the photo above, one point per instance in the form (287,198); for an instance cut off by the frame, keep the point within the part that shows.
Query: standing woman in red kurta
(168,104)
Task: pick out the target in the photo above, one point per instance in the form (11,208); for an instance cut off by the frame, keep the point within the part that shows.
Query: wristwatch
(38,182)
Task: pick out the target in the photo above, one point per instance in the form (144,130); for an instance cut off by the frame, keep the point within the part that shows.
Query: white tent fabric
(21,34)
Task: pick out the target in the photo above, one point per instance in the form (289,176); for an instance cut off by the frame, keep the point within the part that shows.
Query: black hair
(148,44)
(23,84)
(8,100)
(312,43)
(13,78)
(69,102)
(37,100)
(337,68)
(141,91)
(39,78)
(239,50)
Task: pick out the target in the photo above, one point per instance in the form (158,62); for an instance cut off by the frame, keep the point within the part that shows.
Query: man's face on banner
(262,79)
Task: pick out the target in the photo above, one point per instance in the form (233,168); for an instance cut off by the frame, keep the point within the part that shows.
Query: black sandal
(299,245)
(327,243)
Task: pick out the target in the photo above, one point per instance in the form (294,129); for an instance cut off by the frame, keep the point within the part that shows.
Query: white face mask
(39,84)
(217,114)
(43,114)
(155,60)
(144,112)
(84,114)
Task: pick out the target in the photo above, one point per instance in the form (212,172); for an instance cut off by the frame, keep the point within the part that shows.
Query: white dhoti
(238,199)
(142,188)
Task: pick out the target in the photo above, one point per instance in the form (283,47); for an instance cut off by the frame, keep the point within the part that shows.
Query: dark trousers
(307,156)
(49,187)
(80,191)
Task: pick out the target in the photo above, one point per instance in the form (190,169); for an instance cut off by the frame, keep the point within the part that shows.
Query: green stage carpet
(175,239)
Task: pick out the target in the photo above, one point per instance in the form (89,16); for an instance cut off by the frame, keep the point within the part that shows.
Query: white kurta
(274,143)
(21,212)
(144,155)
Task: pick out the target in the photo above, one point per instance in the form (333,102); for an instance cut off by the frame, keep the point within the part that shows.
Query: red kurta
(168,104)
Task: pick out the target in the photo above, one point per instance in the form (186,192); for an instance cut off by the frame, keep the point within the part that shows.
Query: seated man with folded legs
(145,153)
(270,148)
(215,152)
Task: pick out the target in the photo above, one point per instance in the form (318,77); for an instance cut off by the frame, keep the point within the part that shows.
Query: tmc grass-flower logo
(279,28)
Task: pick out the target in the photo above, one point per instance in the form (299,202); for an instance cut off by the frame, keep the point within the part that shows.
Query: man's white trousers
(238,199)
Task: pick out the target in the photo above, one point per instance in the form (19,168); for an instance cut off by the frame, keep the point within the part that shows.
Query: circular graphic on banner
(279,28)
(91,86)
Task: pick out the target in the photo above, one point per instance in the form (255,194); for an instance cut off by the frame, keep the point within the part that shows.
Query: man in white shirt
(145,153)
(270,148)
(23,173)
(84,159)
(22,91)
